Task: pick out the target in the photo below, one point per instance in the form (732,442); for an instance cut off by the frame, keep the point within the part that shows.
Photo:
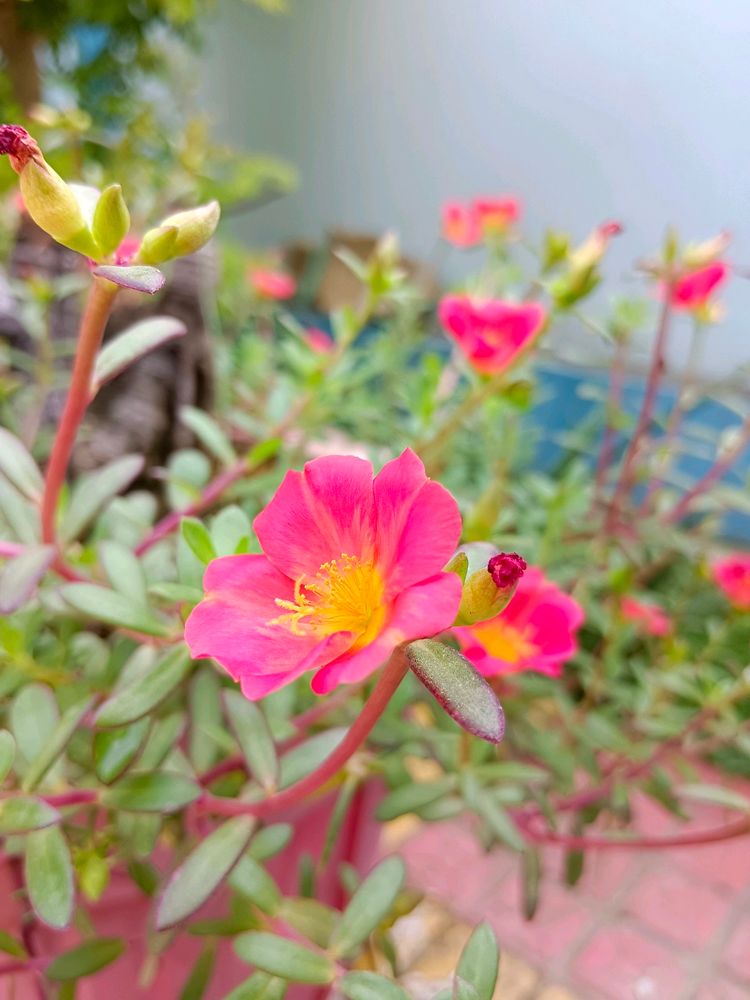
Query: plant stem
(428,449)
(738,828)
(93,322)
(717,471)
(658,364)
(10,549)
(389,680)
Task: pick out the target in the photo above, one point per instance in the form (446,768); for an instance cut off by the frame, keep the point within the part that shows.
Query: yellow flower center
(504,642)
(345,595)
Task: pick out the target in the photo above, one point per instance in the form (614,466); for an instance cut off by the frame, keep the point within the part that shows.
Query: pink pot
(125,912)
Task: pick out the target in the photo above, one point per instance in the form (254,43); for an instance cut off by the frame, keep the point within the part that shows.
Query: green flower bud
(488,590)
(111,220)
(194,229)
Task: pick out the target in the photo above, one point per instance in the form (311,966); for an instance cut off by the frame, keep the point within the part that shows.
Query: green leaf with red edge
(131,345)
(17,465)
(48,874)
(138,278)
(20,813)
(463,693)
(20,576)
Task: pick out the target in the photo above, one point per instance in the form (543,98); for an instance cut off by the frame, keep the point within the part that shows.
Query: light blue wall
(589,109)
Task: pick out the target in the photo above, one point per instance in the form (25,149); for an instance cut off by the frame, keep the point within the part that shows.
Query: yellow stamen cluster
(504,641)
(345,595)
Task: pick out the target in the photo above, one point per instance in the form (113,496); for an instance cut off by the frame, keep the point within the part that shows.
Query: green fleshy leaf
(85,959)
(252,880)
(94,490)
(280,957)
(200,975)
(124,571)
(57,741)
(21,575)
(132,344)
(20,814)
(7,753)
(479,962)
(209,433)
(412,798)
(17,465)
(138,277)
(270,841)
(115,749)
(311,918)
(371,986)
(254,737)
(260,986)
(48,874)
(369,905)
(151,791)
(112,608)
(203,871)
(148,689)
(463,693)
(198,539)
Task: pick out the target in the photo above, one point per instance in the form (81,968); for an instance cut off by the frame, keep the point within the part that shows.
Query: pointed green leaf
(57,741)
(22,516)
(198,539)
(85,959)
(48,874)
(479,962)
(200,976)
(411,798)
(371,986)
(95,489)
(17,465)
(33,716)
(104,605)
(311,918)
(20,576)
(147,690)
(270,841)
(464,694)
(304,758)
(252,880)
(20,814)
(286,959)
(124,571)
(114,749)
(369,905)
(260,986)
(499,822)
(203,871)
(254,737)
(209,433)
(132,344)
(151,791)
(111,220)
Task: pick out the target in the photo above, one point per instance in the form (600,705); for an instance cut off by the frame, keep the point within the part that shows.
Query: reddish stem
(10,549)
(717,471)
(738,828)
(389,680)
(658,364)
(93,322)
(210,494)
(83,796)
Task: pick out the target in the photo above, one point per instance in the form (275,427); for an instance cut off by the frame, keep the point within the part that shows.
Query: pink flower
(318,340)
(537,631)
(652,619)
(352,567)
(693,289)
(497,215)
(732,574)
(127,250)
(272,284)
(491,333)
(461,224)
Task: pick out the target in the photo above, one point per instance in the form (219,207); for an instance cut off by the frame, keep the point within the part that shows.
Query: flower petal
(419,612)
(418,523)
(318,515)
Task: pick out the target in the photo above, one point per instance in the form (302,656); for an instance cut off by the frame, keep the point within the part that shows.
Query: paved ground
(666,925)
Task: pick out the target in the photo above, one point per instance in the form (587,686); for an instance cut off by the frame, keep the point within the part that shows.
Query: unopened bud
(193,229)
(487,591)
(111,220)
(698,255)
(48,199)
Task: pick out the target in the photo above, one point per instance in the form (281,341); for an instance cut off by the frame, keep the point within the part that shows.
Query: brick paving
(655,925)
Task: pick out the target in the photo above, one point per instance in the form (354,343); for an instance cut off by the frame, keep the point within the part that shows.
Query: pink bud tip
(609,229)
(16,142)
(506,569)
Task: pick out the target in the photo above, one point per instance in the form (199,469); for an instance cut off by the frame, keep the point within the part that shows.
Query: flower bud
(194,228)
(111,220)
(50,202)
(487,591)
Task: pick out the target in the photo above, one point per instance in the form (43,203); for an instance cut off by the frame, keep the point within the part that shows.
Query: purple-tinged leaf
(20,576)
(464,694)
(131,345)
(139,277)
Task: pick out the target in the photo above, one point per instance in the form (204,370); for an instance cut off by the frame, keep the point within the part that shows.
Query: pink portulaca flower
(694,288)
(497,215)
(652,619)
(732,574)
(461,224)
(491,333)
(352,566)
(537,631)
(318,340)
(272,284)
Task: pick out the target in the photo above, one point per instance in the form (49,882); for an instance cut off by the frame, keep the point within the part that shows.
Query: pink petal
(231,624)
(421,611)
(318,515)
(418,523)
